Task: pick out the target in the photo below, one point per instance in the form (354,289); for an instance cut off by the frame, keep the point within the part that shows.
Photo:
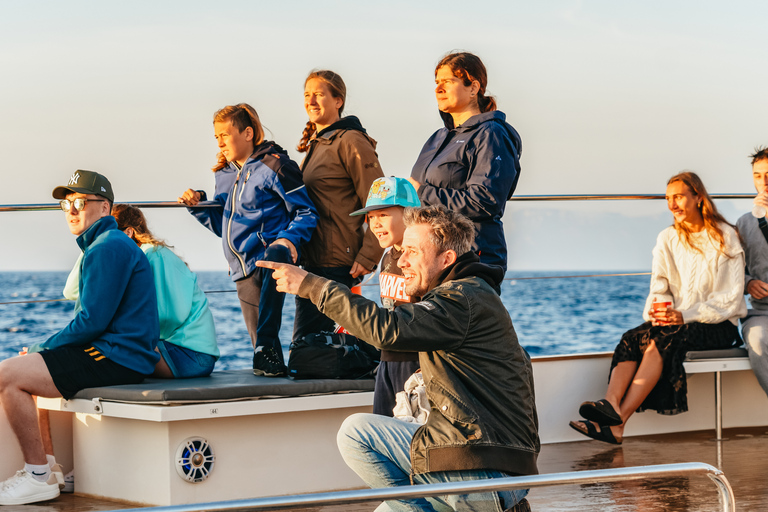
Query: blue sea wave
(554,315)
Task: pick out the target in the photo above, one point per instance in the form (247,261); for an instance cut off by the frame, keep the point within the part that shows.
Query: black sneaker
(267,363)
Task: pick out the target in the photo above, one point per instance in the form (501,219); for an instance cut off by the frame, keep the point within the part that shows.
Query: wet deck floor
(744,460)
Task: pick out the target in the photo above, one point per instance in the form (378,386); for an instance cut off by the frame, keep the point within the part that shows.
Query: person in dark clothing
(479,380)
(384,207)
(338,169)
(472,165)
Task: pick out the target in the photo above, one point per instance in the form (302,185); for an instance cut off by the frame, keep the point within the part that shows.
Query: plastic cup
(758,211)
(658,305)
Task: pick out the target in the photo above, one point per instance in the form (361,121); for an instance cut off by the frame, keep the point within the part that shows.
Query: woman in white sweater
(698,267)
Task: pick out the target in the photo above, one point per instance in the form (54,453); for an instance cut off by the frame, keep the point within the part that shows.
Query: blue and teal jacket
(117,304)
(263,201)
(473,169)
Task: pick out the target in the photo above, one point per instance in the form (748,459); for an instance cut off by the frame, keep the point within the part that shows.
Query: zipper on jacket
(260,234)
(229,222)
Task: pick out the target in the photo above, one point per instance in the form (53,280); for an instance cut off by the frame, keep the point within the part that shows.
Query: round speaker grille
(194,459)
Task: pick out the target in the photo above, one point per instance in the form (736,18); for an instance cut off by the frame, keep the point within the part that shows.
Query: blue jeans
(186,363)
(262,304)
(308,319)
(754,330)
(377,448)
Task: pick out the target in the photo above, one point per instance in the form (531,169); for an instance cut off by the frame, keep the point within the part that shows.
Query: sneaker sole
(41,496)
(262,373)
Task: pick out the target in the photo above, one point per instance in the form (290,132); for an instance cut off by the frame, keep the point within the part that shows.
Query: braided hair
(338,89)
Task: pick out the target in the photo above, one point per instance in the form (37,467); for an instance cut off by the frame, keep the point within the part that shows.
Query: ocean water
(552,314)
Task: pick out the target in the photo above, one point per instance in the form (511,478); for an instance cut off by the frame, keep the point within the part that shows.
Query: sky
(609,97)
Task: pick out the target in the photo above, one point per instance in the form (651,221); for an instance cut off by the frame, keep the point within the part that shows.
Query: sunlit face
(420,261)
(387,225)
(682,202)
(236,146)
(80,220)
(760,175)
(451,93)
(322,108)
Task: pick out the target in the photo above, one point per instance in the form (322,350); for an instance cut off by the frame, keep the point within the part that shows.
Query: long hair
(706,206)
(468,67)
(128,216)
(338,89)
(241,116)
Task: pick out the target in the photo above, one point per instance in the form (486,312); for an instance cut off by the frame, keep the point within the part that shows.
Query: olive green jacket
(479,379)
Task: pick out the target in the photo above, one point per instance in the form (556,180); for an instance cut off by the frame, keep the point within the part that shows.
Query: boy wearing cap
(110,341)
(387,199)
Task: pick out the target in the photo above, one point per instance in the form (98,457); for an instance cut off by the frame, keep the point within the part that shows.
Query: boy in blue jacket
(110,341)
(263,213)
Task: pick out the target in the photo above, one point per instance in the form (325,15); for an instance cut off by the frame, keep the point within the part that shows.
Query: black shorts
(76,368)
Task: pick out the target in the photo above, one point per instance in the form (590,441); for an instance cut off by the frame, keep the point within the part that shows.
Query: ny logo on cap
(74,179)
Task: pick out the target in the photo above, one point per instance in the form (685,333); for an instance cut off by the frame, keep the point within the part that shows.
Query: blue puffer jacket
(117,304)
(263,201)
(473,170)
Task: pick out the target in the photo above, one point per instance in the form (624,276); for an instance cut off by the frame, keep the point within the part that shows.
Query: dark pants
(308,319)
(262,304)
(390,380)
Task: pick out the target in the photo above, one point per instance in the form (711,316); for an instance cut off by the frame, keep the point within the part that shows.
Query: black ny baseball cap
(86,182)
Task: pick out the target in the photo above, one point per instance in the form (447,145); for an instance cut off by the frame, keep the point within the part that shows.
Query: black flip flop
(601,412)
(604,434)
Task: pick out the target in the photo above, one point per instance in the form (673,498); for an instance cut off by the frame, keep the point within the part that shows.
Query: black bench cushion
(221,386)
(695,355)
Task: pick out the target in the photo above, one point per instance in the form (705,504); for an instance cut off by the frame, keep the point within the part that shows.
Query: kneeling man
(479,379)
(110,341)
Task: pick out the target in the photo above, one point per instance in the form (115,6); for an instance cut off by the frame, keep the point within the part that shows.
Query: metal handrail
(560,197)
(727,498)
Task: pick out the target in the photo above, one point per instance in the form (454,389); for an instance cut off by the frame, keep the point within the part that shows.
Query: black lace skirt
(669,396)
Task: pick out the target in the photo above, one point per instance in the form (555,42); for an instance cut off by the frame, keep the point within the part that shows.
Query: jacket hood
(468,265)
(493,116)
(265,147)
(100,226)
(345,123)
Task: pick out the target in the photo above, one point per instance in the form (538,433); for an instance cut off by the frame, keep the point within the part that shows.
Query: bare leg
(619,382)
(44,421)
(645,379)
(162,371)
(22,377)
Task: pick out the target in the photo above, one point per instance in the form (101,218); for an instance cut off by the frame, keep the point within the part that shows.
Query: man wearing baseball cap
(110,341)
(387,200)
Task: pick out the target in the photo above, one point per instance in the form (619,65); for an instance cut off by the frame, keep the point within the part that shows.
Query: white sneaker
(69,482)
(58,472)
(22,488)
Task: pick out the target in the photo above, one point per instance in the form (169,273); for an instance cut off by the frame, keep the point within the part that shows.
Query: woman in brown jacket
(338,169)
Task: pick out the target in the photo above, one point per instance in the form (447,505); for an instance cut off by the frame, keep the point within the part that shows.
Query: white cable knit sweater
(706,288)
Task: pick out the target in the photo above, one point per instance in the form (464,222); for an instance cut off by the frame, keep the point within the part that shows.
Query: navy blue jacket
(117,308)
(263,201)
(473,170)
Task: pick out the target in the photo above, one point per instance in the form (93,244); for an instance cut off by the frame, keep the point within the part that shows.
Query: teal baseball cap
(387,192)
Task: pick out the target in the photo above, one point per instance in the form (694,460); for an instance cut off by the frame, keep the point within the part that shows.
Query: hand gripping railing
(725,491)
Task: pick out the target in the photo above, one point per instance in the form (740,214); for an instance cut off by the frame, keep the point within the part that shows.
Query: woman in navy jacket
(472,165)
